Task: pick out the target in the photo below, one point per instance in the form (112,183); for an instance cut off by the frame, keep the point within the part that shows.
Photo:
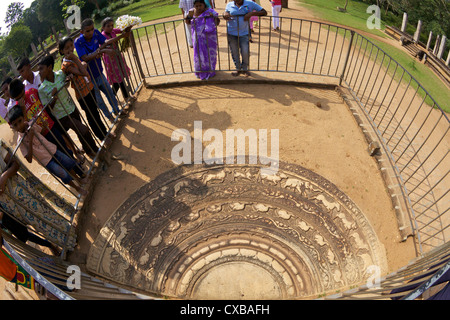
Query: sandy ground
(316,138)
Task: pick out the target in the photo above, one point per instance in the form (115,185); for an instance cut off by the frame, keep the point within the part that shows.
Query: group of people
(201,32)
(40,109)
(38,106)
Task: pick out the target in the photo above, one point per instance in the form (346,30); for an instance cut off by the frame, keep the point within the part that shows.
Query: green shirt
(64,104)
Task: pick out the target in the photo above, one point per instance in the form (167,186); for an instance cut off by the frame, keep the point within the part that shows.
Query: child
(253,19)
(34,145)
(276,9)
(4,93)
(63,107)
(83,86)
(116,68)
(90,46)
(31,107)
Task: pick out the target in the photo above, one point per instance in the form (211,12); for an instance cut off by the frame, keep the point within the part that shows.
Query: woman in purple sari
(204,23)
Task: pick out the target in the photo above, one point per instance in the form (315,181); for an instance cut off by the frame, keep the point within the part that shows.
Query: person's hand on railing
(226,16)
(189,17)
(54,93)
(127,31)
(69,78)
(109,52)
(248,16)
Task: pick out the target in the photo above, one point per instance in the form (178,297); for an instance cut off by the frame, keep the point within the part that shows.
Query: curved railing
(411,126)
(388,101)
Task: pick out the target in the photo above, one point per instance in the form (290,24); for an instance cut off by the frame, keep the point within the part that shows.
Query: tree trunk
(96,4)
(346,3)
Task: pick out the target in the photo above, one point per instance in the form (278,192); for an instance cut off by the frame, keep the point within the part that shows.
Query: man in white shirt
(30,79)
(185,6)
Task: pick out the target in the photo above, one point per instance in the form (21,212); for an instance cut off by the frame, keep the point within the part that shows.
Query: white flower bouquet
(124,22)
(127,21)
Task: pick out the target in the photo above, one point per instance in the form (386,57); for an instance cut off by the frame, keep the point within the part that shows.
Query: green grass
(356,17)
(147,10)
(429,81)
(151,12)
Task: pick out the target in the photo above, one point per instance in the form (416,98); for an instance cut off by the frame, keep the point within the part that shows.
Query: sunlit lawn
(356,17)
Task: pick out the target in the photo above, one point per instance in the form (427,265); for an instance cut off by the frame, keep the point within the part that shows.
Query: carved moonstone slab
(228,232)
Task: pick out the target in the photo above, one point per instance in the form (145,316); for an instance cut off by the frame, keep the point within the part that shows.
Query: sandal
(246,73)
(235,73)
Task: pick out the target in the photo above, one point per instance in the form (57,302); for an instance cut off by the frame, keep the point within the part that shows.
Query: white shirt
(36,82)
(186,5)
(3,110)
(11,104)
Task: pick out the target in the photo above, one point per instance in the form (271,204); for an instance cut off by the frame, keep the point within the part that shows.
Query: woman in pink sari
(116,68)
(204,23)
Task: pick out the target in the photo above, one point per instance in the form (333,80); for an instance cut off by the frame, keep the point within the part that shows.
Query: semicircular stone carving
(230,232)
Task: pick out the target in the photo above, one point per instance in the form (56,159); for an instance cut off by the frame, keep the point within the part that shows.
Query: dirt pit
(316,131)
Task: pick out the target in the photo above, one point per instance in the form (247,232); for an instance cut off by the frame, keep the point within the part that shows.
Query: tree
(14,13)
(433,13)
(65,4)
(18,40)
(31,20)
(96,4)
(86,6)
(50,12)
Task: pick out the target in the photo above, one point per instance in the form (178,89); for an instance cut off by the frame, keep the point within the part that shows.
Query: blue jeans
(241,43)
(60,165)
(100,83)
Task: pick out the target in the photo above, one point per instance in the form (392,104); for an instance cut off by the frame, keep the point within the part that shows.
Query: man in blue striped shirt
(237,14)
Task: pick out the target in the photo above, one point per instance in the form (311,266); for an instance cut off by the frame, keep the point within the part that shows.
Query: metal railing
(414,131)
(82,136)
(301,47)
(411,126)
(422,277)
(60,280)
(408,121)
